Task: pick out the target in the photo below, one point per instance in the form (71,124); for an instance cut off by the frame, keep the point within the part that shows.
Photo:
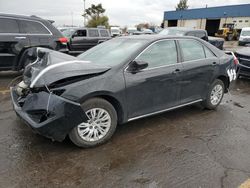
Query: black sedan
(121,80)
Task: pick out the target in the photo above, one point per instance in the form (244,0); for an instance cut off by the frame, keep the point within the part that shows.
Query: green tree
(96,17)
(182,5)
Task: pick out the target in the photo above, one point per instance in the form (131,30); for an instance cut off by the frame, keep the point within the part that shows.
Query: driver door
(154,88)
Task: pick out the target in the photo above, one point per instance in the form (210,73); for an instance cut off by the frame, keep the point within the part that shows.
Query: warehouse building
(211,19)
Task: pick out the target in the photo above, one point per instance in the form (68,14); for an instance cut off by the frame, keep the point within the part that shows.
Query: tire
(80,135)
(209,103)
(230,37)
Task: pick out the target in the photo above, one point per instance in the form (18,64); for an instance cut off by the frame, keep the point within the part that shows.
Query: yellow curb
(246,184)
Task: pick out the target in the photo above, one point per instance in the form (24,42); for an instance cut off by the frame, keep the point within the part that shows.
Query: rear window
(93,33)
(32,27)
(104,33)
(191,50)
(8,26)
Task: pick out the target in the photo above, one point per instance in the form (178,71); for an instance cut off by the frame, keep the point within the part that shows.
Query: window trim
(148,69)
(18,21)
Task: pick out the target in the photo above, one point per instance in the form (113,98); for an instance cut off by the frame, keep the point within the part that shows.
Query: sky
(122,13)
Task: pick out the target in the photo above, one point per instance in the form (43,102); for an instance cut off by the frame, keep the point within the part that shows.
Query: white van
(244,36)
(115,31)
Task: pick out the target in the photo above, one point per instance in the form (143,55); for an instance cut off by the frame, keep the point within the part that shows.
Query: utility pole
(72,19)
(84,1)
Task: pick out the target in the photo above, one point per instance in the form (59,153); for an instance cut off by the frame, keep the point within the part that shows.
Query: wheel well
(116,104)
(226,82)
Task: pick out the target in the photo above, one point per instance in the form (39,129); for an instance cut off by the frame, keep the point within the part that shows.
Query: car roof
(33,17)
(156,37)
(246,28)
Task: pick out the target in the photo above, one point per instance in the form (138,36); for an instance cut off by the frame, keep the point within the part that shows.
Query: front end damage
(48,114)
(38,98)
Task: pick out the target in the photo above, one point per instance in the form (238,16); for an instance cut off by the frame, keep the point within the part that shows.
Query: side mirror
(137,66)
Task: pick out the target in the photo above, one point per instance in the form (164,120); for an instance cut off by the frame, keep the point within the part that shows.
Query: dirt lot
(189,147)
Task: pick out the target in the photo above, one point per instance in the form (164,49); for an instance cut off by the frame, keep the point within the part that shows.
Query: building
(211,19)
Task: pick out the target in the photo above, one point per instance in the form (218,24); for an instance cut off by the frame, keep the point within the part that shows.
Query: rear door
(199,68)
(12,42)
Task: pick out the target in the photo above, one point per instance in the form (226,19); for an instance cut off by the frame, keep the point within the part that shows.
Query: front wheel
(99,128)
(215,95)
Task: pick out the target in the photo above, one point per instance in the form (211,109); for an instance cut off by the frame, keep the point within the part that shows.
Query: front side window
(31,27)
(81,33)
(191,50)
(8,26)
(93,33)
(160,54)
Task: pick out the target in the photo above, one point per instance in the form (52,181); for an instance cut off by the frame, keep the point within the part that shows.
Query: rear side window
(8,26)
(191,50)
(31,27)
(104,33)
(208,53)
(93,33)
(160,54)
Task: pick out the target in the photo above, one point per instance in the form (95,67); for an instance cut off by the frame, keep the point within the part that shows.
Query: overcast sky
(126,12)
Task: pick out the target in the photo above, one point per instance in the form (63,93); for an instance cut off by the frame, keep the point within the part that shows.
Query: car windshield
(245,33)
(113,52)
(68,32)
(172,32)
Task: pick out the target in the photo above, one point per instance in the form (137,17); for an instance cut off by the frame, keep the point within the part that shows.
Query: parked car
(82,39)
(115,31)
(243,56)
(131,30)
(200,33)
(121,80)
(244,36)
(19,33)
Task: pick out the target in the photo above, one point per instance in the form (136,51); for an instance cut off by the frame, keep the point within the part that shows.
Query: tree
(96,17)
(182,5)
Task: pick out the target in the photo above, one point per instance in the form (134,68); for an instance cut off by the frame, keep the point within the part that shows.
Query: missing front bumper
(48,114)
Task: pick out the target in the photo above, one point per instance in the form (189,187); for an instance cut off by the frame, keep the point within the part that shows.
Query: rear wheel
(99,128)
(215,95)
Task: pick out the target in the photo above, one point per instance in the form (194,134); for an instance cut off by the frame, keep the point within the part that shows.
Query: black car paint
(13,46)
(132,94)
(243,56)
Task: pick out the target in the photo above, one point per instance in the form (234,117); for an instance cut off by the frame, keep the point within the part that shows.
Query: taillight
(63,40)
(236,61)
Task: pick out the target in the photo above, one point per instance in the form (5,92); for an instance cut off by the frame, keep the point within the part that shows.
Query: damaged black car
(118,81)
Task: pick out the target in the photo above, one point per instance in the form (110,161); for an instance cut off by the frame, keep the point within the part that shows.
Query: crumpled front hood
(52,66)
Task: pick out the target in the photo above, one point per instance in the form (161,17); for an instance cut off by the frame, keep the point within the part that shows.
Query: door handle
(20,38)
(214,63)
